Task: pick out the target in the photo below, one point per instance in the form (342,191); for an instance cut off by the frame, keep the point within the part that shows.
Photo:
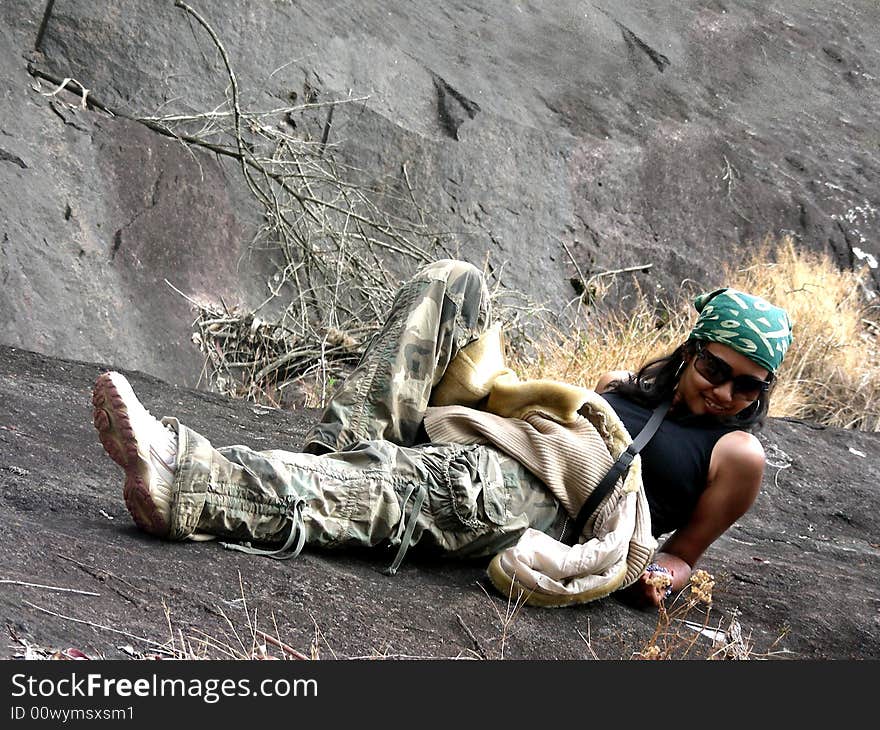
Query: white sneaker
(142,446)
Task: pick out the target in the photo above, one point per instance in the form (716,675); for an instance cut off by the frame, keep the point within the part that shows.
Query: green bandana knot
(746,323)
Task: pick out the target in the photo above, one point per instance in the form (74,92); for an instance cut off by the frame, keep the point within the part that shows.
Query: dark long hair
(656,382)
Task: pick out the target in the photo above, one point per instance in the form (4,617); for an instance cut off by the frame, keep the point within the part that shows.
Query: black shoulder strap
(618,469)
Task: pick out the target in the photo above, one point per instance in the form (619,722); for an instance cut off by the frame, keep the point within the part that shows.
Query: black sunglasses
(718,372)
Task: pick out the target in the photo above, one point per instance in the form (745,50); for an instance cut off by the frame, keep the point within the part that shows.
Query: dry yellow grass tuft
(686,622)
(831,374)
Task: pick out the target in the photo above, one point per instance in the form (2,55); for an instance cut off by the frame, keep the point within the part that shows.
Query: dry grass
(831,374)
(684,626)
(232,640)
(603,339)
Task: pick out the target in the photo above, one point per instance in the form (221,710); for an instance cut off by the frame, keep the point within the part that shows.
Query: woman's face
(701,397)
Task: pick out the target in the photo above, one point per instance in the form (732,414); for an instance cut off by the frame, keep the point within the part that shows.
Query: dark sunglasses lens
(711,368)
(748,387)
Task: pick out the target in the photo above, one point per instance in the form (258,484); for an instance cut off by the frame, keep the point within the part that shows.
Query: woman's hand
(649,591)
(667,575)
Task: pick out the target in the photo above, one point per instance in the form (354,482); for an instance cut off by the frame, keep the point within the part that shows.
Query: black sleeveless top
(675,462)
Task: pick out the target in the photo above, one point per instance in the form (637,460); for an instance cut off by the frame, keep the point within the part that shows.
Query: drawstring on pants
(297,534)
(421,492)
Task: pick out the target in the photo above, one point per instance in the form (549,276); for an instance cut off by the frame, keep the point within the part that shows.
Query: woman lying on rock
(432,440)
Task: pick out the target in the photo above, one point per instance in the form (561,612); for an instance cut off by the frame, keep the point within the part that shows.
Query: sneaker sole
(113,423)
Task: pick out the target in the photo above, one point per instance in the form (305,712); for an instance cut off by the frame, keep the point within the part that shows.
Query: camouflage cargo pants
(363,480)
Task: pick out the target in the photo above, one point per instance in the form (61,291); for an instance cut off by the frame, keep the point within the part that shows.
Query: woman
(704,467)
(432,440)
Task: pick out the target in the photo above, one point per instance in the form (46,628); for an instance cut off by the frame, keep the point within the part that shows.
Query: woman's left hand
(667,574)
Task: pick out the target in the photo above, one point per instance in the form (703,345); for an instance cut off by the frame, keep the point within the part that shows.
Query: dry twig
(476,642)
(7,581)
(289,650)
(93,625)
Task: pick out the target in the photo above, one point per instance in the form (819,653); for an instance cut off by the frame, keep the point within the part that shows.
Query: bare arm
(736,470)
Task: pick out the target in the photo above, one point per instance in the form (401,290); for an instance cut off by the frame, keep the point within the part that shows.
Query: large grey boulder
(559,139)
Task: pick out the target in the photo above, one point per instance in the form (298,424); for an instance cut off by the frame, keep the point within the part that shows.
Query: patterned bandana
(748,324)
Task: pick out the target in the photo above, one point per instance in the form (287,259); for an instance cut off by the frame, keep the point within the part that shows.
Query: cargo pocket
(494,494)
(468,500)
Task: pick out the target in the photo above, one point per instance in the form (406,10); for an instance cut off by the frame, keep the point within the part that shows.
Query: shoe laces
(163,454)
(162,441)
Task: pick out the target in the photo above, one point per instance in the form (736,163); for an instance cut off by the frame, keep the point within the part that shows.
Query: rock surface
(799,571)
(540,134)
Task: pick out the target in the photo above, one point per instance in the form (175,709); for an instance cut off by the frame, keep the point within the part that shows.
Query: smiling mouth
(713,406)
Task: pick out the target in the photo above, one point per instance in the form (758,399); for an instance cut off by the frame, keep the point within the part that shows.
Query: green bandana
(748,324)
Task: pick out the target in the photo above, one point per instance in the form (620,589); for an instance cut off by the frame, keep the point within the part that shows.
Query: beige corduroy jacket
(569,437)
